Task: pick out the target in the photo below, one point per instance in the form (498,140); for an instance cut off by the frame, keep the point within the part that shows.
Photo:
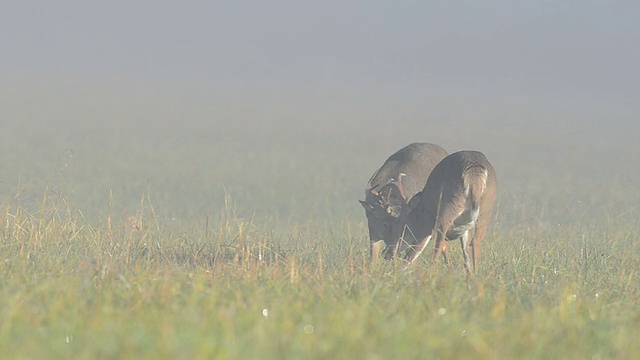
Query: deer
(459,195)
(391,187)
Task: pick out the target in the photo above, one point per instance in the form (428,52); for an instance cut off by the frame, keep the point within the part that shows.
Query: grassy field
(209,243)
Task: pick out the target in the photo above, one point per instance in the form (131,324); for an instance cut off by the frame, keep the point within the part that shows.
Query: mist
(203,98)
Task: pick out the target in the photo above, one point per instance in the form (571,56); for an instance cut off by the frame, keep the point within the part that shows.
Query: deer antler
(371,189)
(398,184)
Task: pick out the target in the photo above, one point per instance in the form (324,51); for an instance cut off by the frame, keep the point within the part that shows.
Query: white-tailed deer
(401,176)
(459,195)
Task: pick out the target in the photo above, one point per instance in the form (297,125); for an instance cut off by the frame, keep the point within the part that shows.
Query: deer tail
(475,183)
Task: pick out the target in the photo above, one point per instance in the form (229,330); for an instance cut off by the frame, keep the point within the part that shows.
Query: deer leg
(464,240)
(441,247)
(441,241)
(478,235)
(445,253)
(475,244)
(376,249)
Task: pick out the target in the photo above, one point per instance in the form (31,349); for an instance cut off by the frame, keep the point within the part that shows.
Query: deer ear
(365,205)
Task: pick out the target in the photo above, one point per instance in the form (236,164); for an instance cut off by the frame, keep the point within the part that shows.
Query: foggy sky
(565,55)
(546,89)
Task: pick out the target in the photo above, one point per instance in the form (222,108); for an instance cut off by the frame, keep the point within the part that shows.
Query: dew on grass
(308,329)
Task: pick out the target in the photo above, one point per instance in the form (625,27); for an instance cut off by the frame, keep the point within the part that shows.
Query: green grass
(130,288)
(264,254)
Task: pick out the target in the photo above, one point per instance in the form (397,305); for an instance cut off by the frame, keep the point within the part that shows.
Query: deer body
(458,196)
(401,176)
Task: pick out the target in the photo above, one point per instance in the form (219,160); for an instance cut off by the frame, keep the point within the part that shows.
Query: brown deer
(401,176)
(459,195)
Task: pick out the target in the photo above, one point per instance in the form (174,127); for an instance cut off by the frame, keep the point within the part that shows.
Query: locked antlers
(398,184)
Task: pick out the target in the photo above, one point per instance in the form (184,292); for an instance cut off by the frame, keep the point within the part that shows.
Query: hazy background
(288,107)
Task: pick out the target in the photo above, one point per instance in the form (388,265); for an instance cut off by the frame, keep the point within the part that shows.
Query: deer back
(464,176)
